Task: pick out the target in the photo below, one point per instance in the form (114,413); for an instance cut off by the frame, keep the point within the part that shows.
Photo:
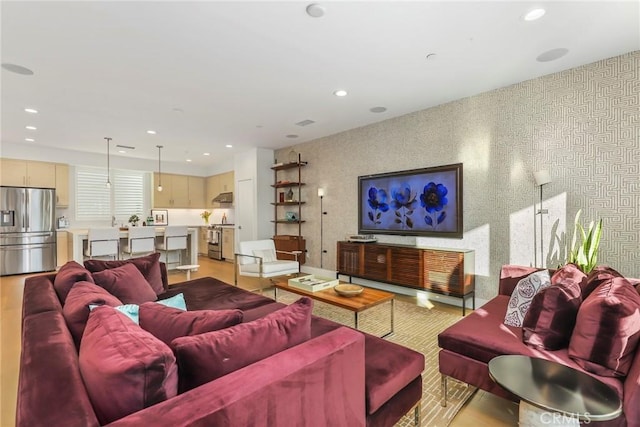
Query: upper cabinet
(62,185)
(26,173)
(216,184)
(178,191)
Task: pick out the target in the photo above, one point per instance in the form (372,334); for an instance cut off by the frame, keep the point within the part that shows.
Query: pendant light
(108,164)
(159,169)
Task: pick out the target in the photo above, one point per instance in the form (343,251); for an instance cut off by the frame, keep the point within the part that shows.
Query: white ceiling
(206,74)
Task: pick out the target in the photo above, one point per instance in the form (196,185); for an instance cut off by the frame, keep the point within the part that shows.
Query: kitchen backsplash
(189,217)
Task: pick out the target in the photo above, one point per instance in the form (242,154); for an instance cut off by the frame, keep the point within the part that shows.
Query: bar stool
(175,239)
(142,240)
(103,242)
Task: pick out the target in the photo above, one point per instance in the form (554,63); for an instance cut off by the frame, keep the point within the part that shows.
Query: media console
(443,271)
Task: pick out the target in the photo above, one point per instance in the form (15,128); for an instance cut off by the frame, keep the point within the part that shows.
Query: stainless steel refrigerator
(27,230)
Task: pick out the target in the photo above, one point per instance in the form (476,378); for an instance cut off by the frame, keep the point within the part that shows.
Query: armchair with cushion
(259,258)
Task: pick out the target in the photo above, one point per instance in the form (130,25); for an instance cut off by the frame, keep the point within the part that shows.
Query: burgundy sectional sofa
(338,377)
(467,346)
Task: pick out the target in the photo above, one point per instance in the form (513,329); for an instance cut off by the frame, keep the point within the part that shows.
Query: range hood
(223,198)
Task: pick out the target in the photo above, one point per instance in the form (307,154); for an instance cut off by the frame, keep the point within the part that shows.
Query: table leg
(356,327)
(392,320)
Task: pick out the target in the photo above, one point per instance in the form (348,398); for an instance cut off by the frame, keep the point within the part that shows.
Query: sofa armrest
(317,383)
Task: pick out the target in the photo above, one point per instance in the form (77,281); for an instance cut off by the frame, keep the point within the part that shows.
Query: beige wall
(582,124)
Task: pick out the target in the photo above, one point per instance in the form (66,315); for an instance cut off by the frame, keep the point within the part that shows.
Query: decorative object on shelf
(293,156)
(108,184)
(585,255)
(346,290)
(205,215)
(150,221)
(159,169)
(542,177)
(160,216)
(281,197)
(291,216)
(133,220)
(289,197)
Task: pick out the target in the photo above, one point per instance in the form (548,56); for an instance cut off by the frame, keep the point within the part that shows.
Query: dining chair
(102,242)
(174,240)
(141,240)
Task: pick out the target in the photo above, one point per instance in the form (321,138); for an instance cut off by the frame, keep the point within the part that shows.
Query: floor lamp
(322,213)
(542,177)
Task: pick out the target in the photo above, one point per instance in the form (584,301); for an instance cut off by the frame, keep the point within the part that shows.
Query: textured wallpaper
(583,125)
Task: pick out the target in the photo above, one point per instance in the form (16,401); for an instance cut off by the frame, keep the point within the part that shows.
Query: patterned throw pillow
(522,296)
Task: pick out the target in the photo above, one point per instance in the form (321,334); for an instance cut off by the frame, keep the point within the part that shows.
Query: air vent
(305,122)
(126,147)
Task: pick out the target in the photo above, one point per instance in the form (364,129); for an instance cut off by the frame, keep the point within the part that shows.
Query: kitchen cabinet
(196,192)
(228,238)
(62,185)
(62,248)
(203,247)
(175,191)
(26,173)
(213,189)
(226,182)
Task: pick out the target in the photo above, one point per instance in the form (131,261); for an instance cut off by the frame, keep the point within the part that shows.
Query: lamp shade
(542,177)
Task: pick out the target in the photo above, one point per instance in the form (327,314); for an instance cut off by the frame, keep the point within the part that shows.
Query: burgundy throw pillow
(596,277)
(205,357)
(148,265)
(607,330)
(67,276)
(168,323)
(124,368)
(127,283)
(76,309)
(552,315)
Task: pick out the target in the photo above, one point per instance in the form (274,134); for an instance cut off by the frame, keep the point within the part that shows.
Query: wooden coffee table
(367,299)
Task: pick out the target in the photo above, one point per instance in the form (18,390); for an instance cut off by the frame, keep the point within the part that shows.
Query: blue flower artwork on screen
(403,203)
(433,199)
(378,202)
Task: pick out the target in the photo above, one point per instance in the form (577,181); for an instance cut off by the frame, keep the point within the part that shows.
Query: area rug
(414,327)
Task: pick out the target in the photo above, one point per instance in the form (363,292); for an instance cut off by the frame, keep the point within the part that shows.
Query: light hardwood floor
(483,410)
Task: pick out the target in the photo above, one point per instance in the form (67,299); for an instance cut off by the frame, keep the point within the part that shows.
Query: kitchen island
(78,241)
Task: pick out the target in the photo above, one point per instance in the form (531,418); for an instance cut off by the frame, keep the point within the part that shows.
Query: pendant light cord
(108,161)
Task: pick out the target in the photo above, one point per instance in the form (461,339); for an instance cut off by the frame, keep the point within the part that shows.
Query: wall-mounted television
(420,202)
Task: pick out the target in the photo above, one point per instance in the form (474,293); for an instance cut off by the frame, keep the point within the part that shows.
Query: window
(96,202)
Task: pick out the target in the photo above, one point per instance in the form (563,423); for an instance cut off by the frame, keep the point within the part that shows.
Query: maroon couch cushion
(522,296)
(607,330)
(124,367)
(596,277)
(67,276)
(76,308)
(127,283)
(168,323)
(205,357)
(552,315)
(148,265)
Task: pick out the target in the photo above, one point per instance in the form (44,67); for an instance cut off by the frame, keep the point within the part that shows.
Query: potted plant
(134,219)
(585,255)
(205,215)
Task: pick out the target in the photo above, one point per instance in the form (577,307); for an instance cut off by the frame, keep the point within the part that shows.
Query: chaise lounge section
(467,347)
(338,377)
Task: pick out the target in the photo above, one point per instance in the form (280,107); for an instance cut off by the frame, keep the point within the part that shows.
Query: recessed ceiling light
(206,154)
(31,110)
(315,10)
(430,56)
(378,109)
(18,69)
(31,127)
(340,92)
(151,132)
(552,55)
(534,14)
(122,151)
(29,139)
(188,160)
(229,146)
(292,136)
